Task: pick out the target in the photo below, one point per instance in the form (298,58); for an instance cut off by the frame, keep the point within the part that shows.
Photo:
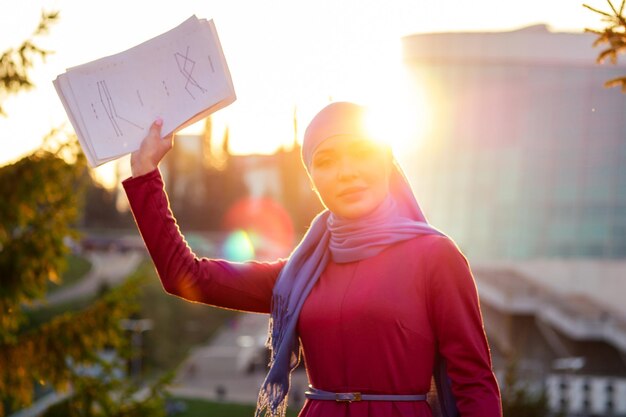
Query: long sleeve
(461,339)
(241,286)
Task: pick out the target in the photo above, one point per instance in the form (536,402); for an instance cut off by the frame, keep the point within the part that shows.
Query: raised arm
(241,286)
(455,313)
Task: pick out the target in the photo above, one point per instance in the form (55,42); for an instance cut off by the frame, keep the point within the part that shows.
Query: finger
(155,128)
(168,142)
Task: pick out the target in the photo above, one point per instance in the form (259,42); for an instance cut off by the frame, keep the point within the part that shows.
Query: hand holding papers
(180,75)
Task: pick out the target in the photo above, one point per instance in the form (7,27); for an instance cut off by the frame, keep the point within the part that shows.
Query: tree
(16,62)
(40,203)
(100,209)
(614,34)
(520,401)
(195,178)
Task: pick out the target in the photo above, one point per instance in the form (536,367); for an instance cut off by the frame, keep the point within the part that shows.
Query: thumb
(163,144)
(155,128)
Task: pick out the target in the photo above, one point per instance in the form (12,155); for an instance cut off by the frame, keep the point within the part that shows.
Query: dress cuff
(131,182)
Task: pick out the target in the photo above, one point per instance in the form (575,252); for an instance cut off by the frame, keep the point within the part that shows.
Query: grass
(38,316)
(188,408)
(203,408)
(179,325)
(77,268)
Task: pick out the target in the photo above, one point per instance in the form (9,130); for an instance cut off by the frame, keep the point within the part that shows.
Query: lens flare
(267,226)
(238,247)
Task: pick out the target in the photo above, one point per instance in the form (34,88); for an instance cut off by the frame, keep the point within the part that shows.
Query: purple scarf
(397,219)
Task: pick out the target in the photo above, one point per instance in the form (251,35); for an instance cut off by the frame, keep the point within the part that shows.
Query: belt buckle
(347,397)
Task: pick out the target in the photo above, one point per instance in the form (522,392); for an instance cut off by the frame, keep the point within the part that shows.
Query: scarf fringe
(277,325)
(272,400)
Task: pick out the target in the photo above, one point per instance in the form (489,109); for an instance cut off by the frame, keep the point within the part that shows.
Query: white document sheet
(180,75)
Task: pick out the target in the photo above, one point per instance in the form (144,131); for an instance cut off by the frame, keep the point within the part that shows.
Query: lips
(351,191)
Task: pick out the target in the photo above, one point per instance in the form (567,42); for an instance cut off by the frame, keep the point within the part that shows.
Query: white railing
(582,395)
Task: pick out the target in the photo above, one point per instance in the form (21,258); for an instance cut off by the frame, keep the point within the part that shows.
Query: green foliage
(16,62)
(69,338)
(518,400)
(38,207)
(40,204)
(102,389)
(65,351)
(614,34)
(121,405)
(77,267)
(42,194)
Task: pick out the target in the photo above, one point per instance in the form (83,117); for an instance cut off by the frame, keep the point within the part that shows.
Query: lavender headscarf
(398,218)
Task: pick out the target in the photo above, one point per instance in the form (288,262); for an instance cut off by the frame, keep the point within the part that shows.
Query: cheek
(322,186)
(380,184)
(376,173)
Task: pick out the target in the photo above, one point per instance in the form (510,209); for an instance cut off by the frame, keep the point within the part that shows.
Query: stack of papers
(180,76)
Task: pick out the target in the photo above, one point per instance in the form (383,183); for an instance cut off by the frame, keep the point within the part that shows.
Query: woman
(373,294)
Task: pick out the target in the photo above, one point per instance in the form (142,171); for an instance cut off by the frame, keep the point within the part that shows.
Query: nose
(347,168)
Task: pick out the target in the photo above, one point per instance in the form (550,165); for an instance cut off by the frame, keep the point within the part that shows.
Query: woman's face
(351,175)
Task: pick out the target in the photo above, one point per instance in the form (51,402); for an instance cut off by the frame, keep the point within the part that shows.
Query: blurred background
(498,113)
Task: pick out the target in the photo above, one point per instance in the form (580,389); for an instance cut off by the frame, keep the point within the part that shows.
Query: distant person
(377,299)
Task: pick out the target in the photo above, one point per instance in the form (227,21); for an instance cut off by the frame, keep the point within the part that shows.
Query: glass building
(526,155)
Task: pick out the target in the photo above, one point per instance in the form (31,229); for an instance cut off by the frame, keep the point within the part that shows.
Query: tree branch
(15,63)
(615,35)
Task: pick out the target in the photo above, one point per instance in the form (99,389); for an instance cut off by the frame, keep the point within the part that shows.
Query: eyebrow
(323,152)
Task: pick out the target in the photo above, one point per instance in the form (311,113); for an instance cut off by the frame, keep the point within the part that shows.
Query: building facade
(526,157)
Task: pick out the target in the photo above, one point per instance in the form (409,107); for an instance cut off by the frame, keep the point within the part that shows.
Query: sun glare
(401,121)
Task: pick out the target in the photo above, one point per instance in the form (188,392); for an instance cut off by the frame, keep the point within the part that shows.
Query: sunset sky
(282,54)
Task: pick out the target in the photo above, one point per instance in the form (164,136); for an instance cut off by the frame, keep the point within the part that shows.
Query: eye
(322,161)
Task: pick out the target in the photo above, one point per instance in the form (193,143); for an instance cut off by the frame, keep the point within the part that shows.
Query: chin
(354,213)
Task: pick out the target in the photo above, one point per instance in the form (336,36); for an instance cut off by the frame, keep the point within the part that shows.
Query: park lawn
(204,408)
(77,267)
(178,325)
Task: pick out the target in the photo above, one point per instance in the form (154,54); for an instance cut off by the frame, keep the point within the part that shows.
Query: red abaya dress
(369,326)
